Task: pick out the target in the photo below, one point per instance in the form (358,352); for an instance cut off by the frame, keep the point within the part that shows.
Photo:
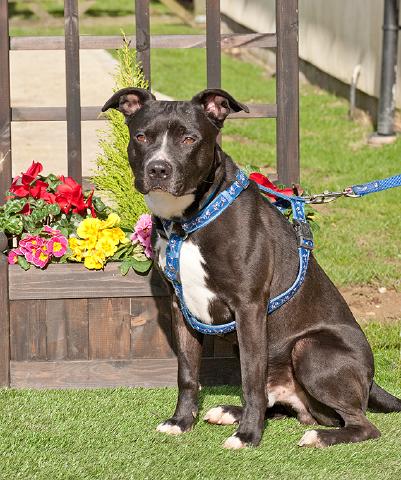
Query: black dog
(310,356)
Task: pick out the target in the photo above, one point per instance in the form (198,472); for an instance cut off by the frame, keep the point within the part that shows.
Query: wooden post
(74,149)
(287,91)
(4,315)
(213,44)
(143,36)
(5,108)
(213,47)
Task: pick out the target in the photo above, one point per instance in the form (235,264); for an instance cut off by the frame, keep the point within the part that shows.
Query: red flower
(69,196)
(28,185)
(263,180)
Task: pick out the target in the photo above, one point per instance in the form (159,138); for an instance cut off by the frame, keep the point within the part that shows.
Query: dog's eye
(188,140)
(140,137)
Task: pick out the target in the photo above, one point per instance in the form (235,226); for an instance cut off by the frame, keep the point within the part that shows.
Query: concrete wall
(334,35)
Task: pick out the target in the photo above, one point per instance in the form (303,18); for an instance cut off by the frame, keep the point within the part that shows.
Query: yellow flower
(89,228)
(94,261)
(111,221)
(106,246)
(115,234)
(77,248)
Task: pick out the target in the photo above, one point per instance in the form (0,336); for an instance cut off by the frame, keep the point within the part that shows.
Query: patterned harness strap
(217,206)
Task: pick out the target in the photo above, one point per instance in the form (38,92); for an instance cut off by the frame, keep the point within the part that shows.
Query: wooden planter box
(70,327)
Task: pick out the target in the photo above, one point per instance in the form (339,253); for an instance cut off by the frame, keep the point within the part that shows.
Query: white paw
(217,416)
(234,443)
(170,429)
(310,439)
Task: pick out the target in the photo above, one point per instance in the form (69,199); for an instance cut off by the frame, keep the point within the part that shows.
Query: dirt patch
(370,303)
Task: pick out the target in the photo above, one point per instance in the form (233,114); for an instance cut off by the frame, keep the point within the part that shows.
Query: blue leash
(356,190)
(215,208)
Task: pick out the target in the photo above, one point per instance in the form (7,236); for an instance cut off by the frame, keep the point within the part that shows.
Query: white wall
(334,35)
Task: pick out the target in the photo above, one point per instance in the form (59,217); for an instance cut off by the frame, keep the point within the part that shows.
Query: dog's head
(172,143)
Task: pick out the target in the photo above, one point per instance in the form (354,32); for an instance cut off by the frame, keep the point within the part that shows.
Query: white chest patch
(165,205)
(193,278)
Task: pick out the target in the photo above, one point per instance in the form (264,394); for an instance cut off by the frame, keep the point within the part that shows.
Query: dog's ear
(218,104)
(128,100)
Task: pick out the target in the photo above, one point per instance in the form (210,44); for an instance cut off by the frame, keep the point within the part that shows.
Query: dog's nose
(159,170)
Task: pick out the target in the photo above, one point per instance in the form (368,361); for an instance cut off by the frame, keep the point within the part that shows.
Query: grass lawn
(110,434)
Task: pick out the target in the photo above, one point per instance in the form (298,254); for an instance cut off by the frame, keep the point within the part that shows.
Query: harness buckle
(304,234)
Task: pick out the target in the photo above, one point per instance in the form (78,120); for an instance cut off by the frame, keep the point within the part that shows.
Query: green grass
(110,434)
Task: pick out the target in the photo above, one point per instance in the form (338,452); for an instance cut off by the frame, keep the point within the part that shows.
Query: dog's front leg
(189,350)
(252,340)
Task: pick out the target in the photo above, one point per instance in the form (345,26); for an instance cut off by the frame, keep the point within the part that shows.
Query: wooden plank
(88,42)
(67,329)
(28,330)
(117,373)
(142,40)
(5,111)
(44,114)
(4,321)
(287,95)
(94,373)
(151,327)
(75,281)
(74,150)
(213,46)
(109,328)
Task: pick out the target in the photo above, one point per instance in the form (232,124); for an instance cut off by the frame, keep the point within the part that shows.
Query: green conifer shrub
(113,177)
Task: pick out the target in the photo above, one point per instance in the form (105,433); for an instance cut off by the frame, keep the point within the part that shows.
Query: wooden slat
(28,330)
(142,41)
(4,323)
(151,327)
(5,112)
(72,78)
(287,95)
(109,328)
(88,42)
(67,329)
(109,373)
(213,48)
(74,281)
(44,114)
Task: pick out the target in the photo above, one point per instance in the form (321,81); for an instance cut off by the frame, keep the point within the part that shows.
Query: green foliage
(114,177)
(12,222)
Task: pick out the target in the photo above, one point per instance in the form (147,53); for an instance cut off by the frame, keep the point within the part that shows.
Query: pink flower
(30,244)
(57,245)
(51,231)
(13,256)
(143,233)
(40,258)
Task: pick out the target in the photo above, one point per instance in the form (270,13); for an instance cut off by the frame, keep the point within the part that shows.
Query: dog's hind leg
(335,377)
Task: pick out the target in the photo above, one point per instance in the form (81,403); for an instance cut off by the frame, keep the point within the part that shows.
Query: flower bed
(51,220)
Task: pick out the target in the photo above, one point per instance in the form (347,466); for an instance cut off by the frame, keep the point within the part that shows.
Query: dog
(309,358)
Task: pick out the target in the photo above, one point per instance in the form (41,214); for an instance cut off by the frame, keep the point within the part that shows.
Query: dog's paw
(311,439)
(220,416)
(170,428)
(234,443)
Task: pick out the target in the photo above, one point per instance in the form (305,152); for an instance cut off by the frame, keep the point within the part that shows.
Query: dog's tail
(382,401)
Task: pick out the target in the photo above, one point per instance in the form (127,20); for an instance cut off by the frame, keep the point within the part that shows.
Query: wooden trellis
(56,326)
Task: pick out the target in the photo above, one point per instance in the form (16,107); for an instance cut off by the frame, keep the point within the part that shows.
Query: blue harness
(212,210)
